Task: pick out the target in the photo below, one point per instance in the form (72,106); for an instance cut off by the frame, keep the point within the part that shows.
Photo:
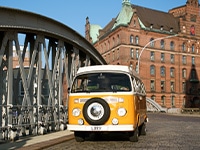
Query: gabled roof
(157,19)
(125,15)
(147,17)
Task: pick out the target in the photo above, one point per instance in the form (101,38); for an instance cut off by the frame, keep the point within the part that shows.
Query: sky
(73,13)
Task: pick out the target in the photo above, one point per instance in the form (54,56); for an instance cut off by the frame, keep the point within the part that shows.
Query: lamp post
(157,39)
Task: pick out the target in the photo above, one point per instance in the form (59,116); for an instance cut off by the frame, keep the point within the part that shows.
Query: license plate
(96,128)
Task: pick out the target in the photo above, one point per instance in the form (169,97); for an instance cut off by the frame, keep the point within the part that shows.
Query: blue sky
(74,12)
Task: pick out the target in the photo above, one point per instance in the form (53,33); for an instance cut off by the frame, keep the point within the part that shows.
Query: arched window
(184,73)
(131,39)
(183,47)
(172,72)
(136,40)
(118,40)
(193,48)
(193,60)
(162,44)
(152,85)
(153,97)
(163,100)
(132,53)
(152,44)
(172,45)
(173,104)
(193,74)
(113,42)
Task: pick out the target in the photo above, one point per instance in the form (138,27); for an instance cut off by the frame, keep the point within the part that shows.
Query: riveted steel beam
(39,58)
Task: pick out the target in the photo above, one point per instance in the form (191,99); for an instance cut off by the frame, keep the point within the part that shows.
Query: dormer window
(161,28)
(171,29)
(151,26)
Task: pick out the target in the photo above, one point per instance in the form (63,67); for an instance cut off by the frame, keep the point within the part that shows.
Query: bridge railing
(190,111)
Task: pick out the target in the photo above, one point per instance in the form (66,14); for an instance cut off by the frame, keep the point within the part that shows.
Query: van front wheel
(134,135)
(143,130)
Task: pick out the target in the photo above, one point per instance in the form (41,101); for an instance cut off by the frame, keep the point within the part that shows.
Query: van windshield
(102,82)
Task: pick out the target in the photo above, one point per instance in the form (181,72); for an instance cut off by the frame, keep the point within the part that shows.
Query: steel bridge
(38,60)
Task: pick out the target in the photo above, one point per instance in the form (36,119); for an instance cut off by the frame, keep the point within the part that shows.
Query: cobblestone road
(164,132)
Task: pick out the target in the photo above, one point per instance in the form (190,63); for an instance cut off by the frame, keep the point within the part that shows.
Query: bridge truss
(38,60)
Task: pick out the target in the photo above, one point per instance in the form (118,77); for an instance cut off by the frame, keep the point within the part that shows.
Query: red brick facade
(169,67)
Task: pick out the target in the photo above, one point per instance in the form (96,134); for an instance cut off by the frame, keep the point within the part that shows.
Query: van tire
(79,136)
(105,107)
(143,130)
(134,135)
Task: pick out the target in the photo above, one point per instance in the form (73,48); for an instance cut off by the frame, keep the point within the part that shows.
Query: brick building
(163,47)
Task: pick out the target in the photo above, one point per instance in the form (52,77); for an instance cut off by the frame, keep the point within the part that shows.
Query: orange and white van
(107,98)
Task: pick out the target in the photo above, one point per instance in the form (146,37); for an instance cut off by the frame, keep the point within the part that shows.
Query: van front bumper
(100,127)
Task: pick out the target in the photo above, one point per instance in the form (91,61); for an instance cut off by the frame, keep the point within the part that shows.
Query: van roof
(107,68)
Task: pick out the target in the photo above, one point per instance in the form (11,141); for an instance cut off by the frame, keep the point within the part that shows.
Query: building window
(134,23)
(162,86)
(113,57)
(193,48)
(118,54)
(131,39)
(193,18)
(152,70)
(172,58)
(108,58)
(132,53)
(184,29)
(193,74)
(172,72)
(152,85)
(131,65)
(171,45)
(162,44)
(193,60)
(184,73)
(162,71)
(173,101)
(163,100)
(152,56)
(137,53)
(113,42)
(153,97)
(172,86)
(184,101)
(183,47)
(136,68)
(118,40)
(162,57)
(183,87)
(192,30)
(137,40)
(152,43)
(184,60)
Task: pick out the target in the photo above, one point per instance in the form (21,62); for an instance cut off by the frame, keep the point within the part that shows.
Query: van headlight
(121,112)
(76,112)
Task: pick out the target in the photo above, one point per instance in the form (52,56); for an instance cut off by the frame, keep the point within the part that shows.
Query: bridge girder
(47,55)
